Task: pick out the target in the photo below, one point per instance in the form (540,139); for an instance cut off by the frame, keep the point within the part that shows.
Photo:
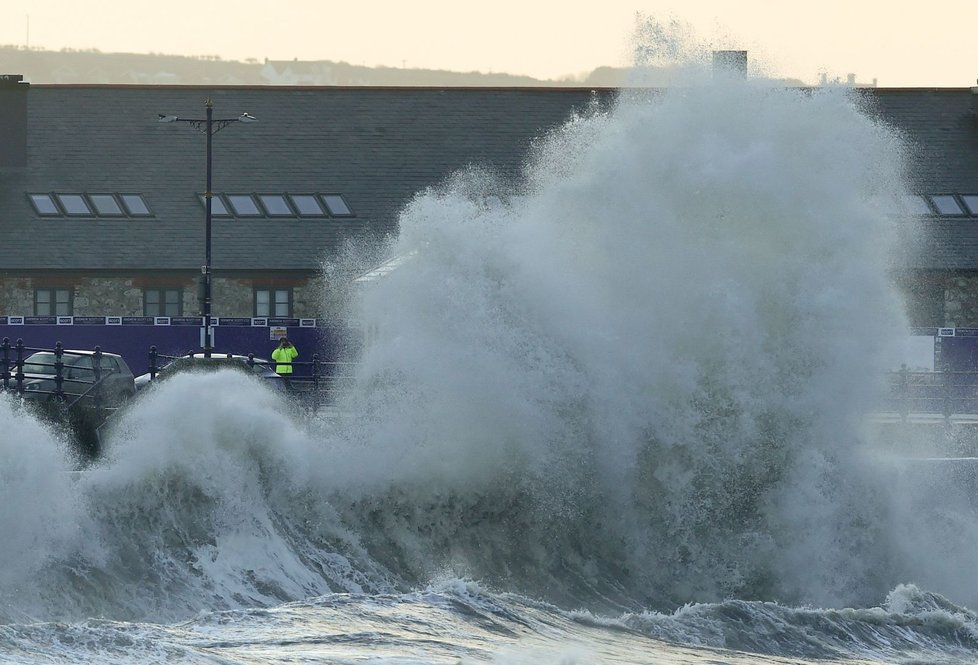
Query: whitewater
(612,410)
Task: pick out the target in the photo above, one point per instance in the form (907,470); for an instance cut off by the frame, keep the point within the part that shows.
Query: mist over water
(634,379)
(667,339)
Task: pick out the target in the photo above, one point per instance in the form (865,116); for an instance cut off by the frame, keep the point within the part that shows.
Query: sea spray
(209,496)
(663,343)
(39,505)
(634,379)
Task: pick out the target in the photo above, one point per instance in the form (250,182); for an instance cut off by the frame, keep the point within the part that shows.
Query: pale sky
(918,44)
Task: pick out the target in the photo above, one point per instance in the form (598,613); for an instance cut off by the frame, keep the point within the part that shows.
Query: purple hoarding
(133,341)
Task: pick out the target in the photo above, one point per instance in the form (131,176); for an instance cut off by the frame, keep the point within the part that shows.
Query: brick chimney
(13,120)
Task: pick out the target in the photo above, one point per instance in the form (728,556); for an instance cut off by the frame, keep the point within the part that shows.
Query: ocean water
(611,411)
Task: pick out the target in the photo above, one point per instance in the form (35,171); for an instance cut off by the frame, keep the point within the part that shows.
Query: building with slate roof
(102,205)
(102,211)
(938,263)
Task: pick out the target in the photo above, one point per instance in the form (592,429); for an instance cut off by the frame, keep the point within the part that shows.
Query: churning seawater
(610,412)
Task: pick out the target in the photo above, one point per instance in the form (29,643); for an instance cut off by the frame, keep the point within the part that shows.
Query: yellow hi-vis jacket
(285,355)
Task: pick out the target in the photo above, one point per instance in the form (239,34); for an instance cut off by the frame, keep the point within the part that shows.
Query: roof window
(275,205)
(279,205)
(971,203)
(218,208)
(106,205)
(336,205)
(947,204)
(135,205)
(243,205)
(44,204)
(307,205)
(74,204)
(89,205)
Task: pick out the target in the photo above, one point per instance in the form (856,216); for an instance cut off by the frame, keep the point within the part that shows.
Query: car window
(40,363)
(75,367)
(80,367)
(79,361)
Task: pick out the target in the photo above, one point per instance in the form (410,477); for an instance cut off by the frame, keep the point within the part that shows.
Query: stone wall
(235,296)
(123,296)
(16,296)
(108,296)
(961,302)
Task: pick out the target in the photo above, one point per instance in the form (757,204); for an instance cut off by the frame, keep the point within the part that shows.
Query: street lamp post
(209,126)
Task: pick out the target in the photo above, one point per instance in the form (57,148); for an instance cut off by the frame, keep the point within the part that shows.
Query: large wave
(636,378)
(658,350)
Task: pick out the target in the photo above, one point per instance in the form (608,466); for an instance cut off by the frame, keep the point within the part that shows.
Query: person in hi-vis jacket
(283,355)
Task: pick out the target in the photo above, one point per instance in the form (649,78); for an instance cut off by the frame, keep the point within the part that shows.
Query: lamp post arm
(208,126)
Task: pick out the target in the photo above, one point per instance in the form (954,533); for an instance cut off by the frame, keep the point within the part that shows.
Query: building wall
(940,299)
(235,296)
(931,300)
(961,302)
(16,295)
(123,295)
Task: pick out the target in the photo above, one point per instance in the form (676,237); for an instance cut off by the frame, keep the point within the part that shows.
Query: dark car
(199,362)
(109,387)
(79,393)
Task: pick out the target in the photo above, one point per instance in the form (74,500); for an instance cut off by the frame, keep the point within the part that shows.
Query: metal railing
(13,359)
(946,392)
(316,380)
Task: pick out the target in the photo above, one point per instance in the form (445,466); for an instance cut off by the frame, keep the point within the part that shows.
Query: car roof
(78,352)
(223,356)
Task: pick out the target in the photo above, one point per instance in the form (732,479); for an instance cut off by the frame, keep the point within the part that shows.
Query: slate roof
(375,146)
(940,127)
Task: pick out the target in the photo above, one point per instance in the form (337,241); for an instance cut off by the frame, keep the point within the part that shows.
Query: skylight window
(917,205)
(135,205)
(44,204)
(278,205)
(970,202)
(275,205)
(946,204)
(74,204)
(89,205)
(218,209)
(337,205)
(106,205)
(307,205)
(243,205)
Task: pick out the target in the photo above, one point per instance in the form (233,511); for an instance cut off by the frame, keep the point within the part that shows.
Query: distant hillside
(93,66)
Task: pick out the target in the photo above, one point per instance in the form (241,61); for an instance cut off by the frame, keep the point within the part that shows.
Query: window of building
(307,205)
(106,205)
(243,205)
(53,302)
(74,204)
(135,205)
(971,203)
(274,302)
(275,205)
(947,204)
(336,205)
(88,205)
(278,205)
(44,204)
(917,205)
(218,209)
(163,302)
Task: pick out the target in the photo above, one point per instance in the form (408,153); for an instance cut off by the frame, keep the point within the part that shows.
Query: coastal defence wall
(132,339)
